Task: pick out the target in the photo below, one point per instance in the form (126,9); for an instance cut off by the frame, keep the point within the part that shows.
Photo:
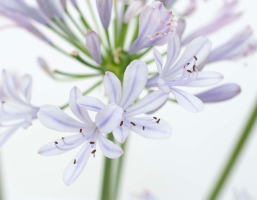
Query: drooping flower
(184,72)
(224,17)
(104,8)
(240,45)
(220,93)
(94,46)
(134,81)
(89,133)
(16,111)
(134,9)
(156,25)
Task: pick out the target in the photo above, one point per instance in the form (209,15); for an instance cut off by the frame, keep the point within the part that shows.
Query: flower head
(156,25)
(184,72)
(17,110)
(89,133)
(134,81)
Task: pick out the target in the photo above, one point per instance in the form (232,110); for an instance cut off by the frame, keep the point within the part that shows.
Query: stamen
(157,33)
(80,130)
(75,161)
(194,68)
(121,123)
(155,117)
(162,22)
(92,142)
(143,128)
(186,65)
(63,138)
(195,57)
(158,121)
(125,111)
(189,71)
(3,102)
(56,142)
(93,151)
(152,38)
(133,123)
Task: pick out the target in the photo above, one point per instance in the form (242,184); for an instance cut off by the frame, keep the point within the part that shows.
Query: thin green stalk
(84,93)
(123,35)
(76,75)
(83,19)
(93,15)
(106,187)
(109,42)
(136,31)
(74,22)
(145,52)
(152,60)
(235,155)
(172,100)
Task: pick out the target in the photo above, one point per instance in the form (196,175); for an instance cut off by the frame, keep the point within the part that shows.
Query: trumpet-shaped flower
(184,72)
(89,133)
(156,25)
(135,78)
(17,111)
(240,45)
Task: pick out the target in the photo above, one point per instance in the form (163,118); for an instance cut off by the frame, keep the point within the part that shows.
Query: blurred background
(184,167)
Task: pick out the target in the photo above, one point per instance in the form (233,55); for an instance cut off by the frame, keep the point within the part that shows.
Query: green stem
(84,93)
(123,34)
(136,31)
(172,100)
(235,155)
(93,15)
(74,22)
(109,43)
(106,187)
(76,75)
(83,19)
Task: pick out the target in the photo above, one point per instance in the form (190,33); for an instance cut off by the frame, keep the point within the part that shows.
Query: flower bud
(104,8)
(94,46)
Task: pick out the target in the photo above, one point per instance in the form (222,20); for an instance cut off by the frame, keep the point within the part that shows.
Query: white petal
(80,112)
(172,52)
(6,135)
(148,103)
(108,118)
(121,133)
(205,79)
(158,60)
(152,82)
(134,81)
(54,118)
(90,103)
(72,171)
(26,86)
(108,148)
(181,27)
(187,101)
(112,87)
(149,128)
(199,47)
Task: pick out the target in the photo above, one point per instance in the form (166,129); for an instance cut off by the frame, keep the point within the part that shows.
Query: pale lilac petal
(108,148)
(6,135)
(187,101)
(94,46)
(72,171)
(64,3)
(181,27)
(163,86)
(134,9)
(200,48)
(148,103)
(79,111)
(155,110)
(205,79)
(104,8)
(54,118)
(152,82)
(112,87)
(121,133)
(191,7)
(172,52)
(62,145)
(149,128)
(158,60)
(134,81)
(90,103)
(52,9)
(108,118)
(74,3)
(26,86)
(221,93)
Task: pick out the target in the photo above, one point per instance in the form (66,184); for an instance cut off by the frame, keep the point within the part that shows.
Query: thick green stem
(84,93)
(234,156)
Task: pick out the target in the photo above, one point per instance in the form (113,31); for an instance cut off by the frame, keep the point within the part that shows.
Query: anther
(93,151)
(133,123)
(3,102)
(186,65)
(63,138)
(157,33)
(162,22)
(92,142)
(152,38)
(189,71)
(194,68)
(121,123)
(143,128)
(169,24)
(125,111)
(158,121)
(80,130)
(75,161)
(56,142)
(155,117)
(195,57)
(74,53)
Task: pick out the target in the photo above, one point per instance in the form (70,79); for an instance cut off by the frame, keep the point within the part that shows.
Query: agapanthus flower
(16,111)
(134,81)
(240,45)
(156,25)
(184,72)
(89,133)
(224,17)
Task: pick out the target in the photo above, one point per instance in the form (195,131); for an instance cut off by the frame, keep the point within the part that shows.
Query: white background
(181,168)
